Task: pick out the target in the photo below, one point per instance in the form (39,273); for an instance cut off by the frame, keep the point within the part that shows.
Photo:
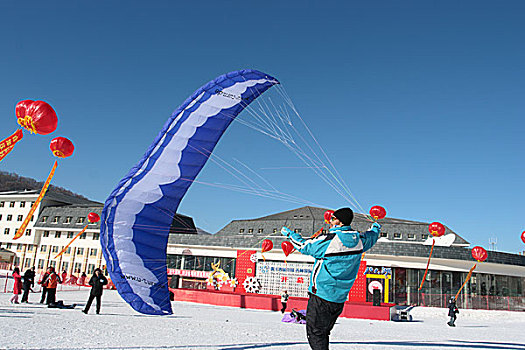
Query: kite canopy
(138,214)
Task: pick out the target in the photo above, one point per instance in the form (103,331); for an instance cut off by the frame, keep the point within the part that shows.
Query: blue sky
(419,104)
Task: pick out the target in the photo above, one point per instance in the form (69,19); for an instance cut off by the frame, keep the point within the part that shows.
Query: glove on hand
(285,231)
(375,227)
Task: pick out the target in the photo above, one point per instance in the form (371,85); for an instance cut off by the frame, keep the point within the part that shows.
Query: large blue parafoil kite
(138,214)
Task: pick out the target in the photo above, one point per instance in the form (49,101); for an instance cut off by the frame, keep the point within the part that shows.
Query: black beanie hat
(345,215)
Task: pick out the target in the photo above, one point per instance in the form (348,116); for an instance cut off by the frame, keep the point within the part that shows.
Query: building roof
(52,196)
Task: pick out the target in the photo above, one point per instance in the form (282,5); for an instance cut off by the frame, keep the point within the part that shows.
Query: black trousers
(90,300)
(320,319)
(25,296)
(51,295)
(44,294)
(283,309)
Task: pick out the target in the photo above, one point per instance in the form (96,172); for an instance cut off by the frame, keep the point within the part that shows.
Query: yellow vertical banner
(8,144)
(67,246)
(22,228)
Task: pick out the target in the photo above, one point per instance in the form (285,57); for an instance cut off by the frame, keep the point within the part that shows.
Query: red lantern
(523,236)
(479,254)
(61,147)
(377,212)
(267,245)
(328,215)
(436,229)
(287,248)
(36,116)
(93,217)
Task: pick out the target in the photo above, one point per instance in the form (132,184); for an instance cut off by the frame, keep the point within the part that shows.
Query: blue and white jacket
(337,256)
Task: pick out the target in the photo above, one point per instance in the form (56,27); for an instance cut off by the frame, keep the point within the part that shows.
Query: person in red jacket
(43,284)
(17,287)
(52,282)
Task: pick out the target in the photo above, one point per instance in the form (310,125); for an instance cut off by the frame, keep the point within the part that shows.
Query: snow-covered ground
(197,326)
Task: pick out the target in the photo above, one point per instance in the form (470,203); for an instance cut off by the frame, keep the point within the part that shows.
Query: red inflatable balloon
(36,116)
(287,248)
(479,254)
(267,245)
(436,229)
(377,212)
(328,215)
(93,217)
(523,236)
(61,147)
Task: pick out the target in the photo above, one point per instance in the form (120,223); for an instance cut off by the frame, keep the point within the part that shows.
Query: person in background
(43,284)
(97,283)
(452,311)
(64,276)
(82,280)
(337,256)
(17,286)
(284,300)
(29,282)
(52,282)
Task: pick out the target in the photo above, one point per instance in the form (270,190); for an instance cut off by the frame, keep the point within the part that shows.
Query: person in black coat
(97,283)
(452,311)
(28,283)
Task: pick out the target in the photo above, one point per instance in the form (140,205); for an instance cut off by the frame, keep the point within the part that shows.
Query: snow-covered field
(196,326)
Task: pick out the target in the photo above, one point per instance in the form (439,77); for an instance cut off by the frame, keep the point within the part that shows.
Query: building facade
(396,264)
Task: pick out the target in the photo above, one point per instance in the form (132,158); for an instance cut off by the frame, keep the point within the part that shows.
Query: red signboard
(189,273)
(244,267)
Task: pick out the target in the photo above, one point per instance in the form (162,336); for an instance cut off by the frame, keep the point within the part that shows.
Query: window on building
(81,220)
(65,266)
(28,232)
(411,236)
(83,236)
(53,263)
(2,204)
(40,263)
(46,234)
(241,230)
(32,218)
(260,230)
(32,203)
(6,231)
(43,248)
(58,234)
(54,249)
(17,261)
(250,230)
(19,247)
(0,216)
(96,236)
(28,262)
(70,234)
(80,251)
(30,248)
(78,267)
(424,237)
(90,268)
(384,234)
(44,218)
(68,250)
(68,220)
(11,204)
(19,218)
(56,219)
(9,217)
(93,252)
(397,235)
(22,204)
